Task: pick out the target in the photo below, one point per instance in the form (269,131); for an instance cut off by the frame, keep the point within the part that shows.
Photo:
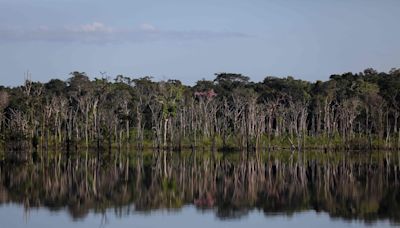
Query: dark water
(153,189)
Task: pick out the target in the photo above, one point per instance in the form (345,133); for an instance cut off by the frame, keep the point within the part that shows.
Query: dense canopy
(349,110)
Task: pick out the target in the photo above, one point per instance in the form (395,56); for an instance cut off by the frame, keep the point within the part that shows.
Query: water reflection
(351,186)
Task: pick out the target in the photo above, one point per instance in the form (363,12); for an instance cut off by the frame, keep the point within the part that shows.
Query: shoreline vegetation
(230,113)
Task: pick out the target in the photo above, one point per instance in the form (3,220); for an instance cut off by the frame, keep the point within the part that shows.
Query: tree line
(350,110)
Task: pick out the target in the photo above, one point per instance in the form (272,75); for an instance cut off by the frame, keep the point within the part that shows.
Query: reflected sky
(188,216)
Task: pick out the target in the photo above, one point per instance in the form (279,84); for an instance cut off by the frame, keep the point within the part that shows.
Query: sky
(190,40)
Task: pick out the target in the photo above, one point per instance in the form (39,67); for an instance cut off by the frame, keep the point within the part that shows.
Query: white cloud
(93,27)
(43,27)
(98,32)
(147,27)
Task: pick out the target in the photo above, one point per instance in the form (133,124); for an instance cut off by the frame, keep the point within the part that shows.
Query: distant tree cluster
(351,110)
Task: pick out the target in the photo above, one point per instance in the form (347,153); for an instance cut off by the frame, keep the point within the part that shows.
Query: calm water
(188,216)
(153,189)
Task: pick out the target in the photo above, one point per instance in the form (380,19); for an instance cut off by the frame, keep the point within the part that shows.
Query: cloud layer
(97,32)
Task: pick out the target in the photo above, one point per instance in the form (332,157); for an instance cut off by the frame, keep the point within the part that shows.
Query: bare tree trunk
(165,132)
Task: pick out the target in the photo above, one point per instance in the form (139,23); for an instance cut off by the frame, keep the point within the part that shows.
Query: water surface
(151,189)
(188,216)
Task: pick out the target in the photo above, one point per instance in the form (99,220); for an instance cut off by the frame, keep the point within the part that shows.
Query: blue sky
(191,40)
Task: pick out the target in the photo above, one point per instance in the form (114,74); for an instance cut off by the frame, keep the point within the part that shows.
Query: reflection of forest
(364,186)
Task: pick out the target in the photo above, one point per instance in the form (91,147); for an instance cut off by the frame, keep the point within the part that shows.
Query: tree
(4,100)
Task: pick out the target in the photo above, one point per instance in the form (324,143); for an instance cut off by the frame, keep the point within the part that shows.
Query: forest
(352,111)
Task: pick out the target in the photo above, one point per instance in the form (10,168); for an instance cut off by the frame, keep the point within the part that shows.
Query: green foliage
(349,110)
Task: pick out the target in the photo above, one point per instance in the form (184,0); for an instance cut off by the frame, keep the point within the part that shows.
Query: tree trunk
(165,132)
